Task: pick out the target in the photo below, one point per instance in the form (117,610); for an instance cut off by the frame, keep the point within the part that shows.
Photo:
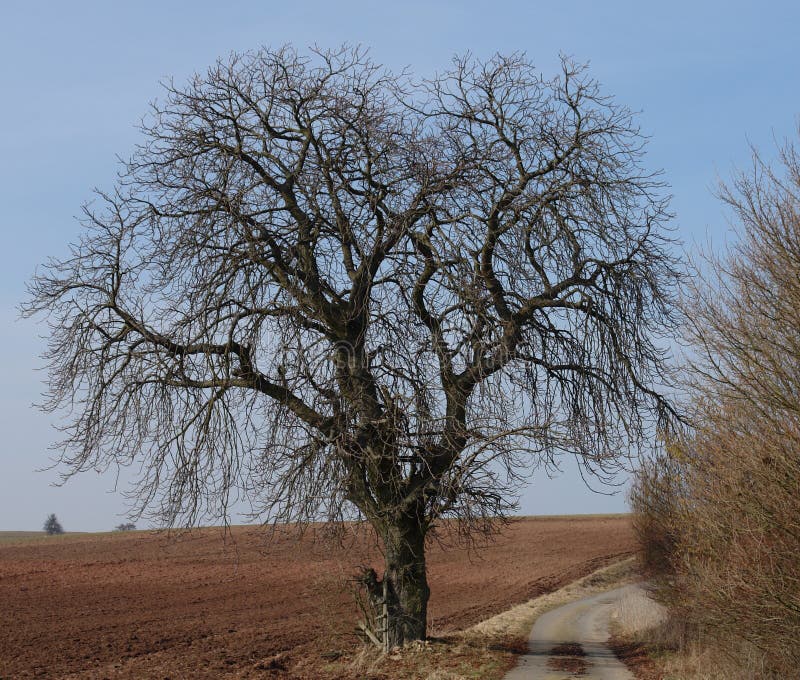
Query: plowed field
(151,605)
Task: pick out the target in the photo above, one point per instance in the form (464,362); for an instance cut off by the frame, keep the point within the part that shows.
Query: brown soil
(568,657)
(192,605)
(636,657)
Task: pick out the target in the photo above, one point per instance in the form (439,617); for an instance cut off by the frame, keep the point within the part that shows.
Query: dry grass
(456,657)
(701,662)
(637,621)
(667,652)
(486,651)
(636,613)
(657,646)
(11,537)
(519,620)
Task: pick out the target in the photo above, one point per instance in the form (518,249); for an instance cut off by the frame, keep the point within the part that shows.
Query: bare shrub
(739,540)
(731,533)
(654,500)
(637,612)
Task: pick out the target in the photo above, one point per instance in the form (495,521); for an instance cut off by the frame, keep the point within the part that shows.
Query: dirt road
(570,642)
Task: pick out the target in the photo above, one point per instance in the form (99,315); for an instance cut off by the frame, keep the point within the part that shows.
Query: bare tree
(52,526)
(346,295)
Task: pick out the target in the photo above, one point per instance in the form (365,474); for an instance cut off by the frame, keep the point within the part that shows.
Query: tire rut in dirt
(568,657)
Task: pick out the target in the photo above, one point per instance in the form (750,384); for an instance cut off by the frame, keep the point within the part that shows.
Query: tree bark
(407,582)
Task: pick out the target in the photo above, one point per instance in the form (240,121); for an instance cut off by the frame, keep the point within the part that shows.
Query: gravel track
(571,642)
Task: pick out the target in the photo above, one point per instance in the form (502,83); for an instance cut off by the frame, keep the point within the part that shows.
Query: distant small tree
(52,525)
(128,526)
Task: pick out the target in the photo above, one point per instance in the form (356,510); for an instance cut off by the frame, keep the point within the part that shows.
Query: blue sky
(709,78)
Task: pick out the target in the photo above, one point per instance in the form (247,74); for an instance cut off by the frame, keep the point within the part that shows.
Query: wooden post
(385,616)
(365,629)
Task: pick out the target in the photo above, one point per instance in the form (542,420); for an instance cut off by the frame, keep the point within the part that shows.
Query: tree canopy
(341,292)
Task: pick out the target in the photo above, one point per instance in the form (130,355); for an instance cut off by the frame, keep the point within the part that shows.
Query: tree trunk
(407,583)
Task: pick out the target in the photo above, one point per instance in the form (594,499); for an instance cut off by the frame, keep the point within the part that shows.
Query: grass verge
(669,652)
(656,646)
(487,650)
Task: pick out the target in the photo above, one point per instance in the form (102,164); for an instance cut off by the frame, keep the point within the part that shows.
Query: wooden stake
(385,616)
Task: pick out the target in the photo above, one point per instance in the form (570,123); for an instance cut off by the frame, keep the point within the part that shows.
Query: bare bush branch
(722,512)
